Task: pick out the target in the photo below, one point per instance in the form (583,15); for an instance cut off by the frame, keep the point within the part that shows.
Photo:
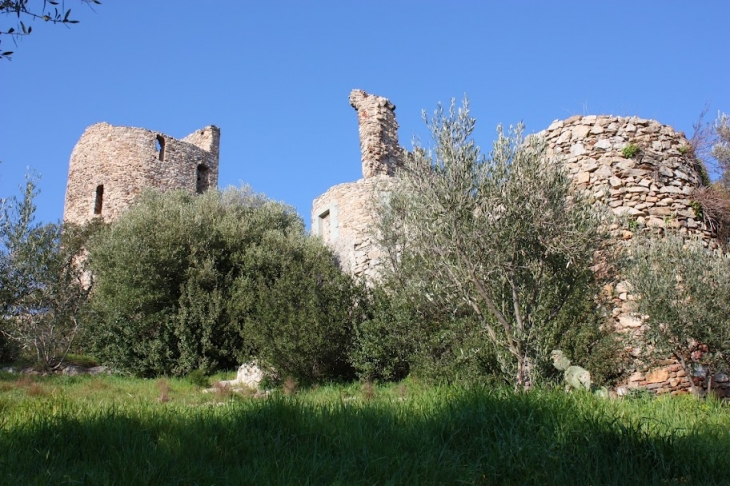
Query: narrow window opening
(99,200)
(160,146)
(324,226)
(201,184)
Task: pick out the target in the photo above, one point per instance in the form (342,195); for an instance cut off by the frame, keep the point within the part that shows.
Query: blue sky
(275,77)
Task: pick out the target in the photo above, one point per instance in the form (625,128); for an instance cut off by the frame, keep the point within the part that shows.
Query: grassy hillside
(112,430)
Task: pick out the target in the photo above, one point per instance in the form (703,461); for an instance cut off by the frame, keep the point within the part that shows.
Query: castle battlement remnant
(343,216)
(110,166)
(379,147)
(639,169)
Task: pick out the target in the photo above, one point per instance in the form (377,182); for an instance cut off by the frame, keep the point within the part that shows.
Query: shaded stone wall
(110,166)
(344,216)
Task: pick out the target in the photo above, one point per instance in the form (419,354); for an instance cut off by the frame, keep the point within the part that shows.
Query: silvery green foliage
(42,293)
(500,236)
(721,149)
(683,288)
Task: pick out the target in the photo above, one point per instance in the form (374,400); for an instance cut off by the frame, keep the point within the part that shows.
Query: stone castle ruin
(651,189)
(110,166)
(342,216)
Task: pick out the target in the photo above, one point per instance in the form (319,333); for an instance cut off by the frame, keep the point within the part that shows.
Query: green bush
(198,378)
(497,244)
(408,334)
(298,309)
(630,151)
(386,341)
(683,288)
(187,282)
(42,292)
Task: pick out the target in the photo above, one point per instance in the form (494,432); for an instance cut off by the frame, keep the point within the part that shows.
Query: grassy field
(124,431)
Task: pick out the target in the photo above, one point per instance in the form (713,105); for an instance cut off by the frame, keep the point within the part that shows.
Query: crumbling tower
(110,166)
(379,147)
(343,216)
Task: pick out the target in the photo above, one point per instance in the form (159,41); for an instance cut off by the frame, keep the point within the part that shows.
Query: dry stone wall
(110,166)
(649,189)
(653,187)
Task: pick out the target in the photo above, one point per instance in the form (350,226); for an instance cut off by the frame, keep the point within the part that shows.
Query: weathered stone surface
(657,376)
(249,375)
(629,321)
(343,217)
(577,149)
(110,166)
(379,147)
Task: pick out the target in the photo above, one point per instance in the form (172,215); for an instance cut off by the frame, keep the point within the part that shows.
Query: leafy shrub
(206,282)
(406,334)
(298,310)
(683,288)
(42,291)
(198,378)
(630,150)
(499,240)
(386,340)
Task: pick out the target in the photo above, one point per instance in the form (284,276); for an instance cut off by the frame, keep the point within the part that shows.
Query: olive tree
(43,292)
(721,147)
(500,237)
(22,11)
(188,282)
(683,288)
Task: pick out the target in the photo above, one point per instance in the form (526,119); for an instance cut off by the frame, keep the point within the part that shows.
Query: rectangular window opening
(202,181)
(324,226)
(160,146)
(99,199)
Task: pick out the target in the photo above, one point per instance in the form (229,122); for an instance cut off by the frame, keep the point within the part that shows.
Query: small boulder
(249,374)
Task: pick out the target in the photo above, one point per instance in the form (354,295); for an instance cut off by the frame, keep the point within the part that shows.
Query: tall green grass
(121,431)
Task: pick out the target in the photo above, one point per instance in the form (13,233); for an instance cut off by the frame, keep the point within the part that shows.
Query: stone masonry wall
(343,216)
(651,190)
(110,166)
(378,129)
(654,187)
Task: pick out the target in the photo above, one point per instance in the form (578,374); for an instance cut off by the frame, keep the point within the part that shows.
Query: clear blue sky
(275,76)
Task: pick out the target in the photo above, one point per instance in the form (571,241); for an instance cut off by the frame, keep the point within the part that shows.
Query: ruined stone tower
(651,189)
(110,166)
(343,216)
(381,153)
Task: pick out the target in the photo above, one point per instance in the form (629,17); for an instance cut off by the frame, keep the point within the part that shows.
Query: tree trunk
(524,372)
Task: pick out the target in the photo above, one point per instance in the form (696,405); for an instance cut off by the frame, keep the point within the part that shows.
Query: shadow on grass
(453,437)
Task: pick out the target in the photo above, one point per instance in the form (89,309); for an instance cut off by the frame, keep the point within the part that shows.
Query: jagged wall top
(378,129)
(111,165)
(653,187)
